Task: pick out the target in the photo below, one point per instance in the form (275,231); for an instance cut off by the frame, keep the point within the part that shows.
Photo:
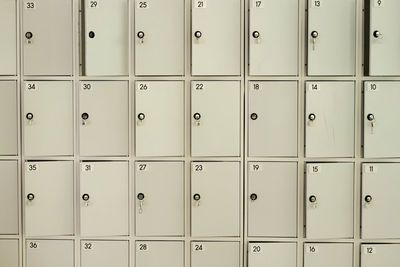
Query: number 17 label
(258,3)
(378,3)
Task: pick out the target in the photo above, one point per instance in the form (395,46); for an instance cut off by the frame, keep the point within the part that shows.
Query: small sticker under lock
(314,87)
(370,168)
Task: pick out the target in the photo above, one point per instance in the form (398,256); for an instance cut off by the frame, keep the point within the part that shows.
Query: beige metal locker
(215,199)
(8,31)
(215,254)
(103,200)
(104,253)
(160,118)
(272,199)
(103,118)
(159,198)
(9,253)
(49,253)
(160,253)
(159,37)
(48,115)
(272,254)
(8,118)
(377,255)
(328,254)
(46,35)
(272,119)
(9,200)
(49,198)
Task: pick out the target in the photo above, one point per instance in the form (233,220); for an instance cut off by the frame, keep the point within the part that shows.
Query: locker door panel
(104,253)
(48,198)
(159,37)
(47,37)
(331,37)
(104,202)
(106,49)
(160,118)
(215,254)
(215,104)
(8,118)
(48,118)
(328,255)
(383,38)
(9,255)
(381,122)
(269,183)
(159,198)
(329,200)
(272,254)
(104,118)
(329,129)
(160,253)
(9,198)
(49,253)
(377,255)
(380,212)
(215,198)
(8,30)
(272,119)
(273,50)
(216,42)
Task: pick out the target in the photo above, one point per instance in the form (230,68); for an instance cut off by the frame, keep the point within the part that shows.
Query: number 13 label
(316,3)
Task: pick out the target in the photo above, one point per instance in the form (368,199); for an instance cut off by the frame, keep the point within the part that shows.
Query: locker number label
(198,167)
(378,3)
(316,3)
(30,5)
(370,168)
(258,3)
(200,3)
(313,87)
(86,86)
(33,245)
(369,250)
(87,168)
(142,167)
(312,249)
(372,87)
(314,169)
(31,87)
(142,247)
(94,4)
(32,167)
(256,249)
(198,247)
(143,4)
(256,167)
(87,246)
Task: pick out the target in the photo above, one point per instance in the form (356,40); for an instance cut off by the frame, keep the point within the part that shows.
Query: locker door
(377,255)
(274,50)
(104,198)
(331,37)
(8,31)
(8,117)
(383,38)
(48,118)
(272,254)
(329,200)
(106,38)
(159,37)
(328,255)
(380,212)
(216,42)
(159,199)
(9,256)
(8,198)
(272,119)
(160,118)
(215,104)
(381,120)
(49,253)
(215,198)
(47,37)
(163,253)
(215,254)
(104,253)
(329,129)
(103,118)
(268,183)
(48,198)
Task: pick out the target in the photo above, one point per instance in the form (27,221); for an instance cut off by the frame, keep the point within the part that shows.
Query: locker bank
(199,133)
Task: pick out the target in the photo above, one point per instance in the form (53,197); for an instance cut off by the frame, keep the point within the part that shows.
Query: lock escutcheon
(197,116)
(140,196)
(140,35)
(312,117)
(28,35)
(85,197)
(30,196)
(253,197)
(371,117)
(29,116)
(314,34)
(141,116)
(368,199)
(196,197)
(377,34)
(254,116)
(85,116)
(198,34)
(256,34)
(91,34)
(313,199)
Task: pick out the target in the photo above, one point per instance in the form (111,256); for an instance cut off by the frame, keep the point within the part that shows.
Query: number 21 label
(200,3)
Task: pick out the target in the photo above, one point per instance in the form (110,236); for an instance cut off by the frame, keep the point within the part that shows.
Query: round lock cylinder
(197,116)
(196,197)
(254,116)
(198,34)
(28,35)
(140,35)
(314,34)
(91,34)
(256,34)
(377,34)
(312,117)
(140,196)
(312,199)
(29,116)
(141,116)
(85,116)
(368,199)
(85,197)
(253,197)
(30,196)
(370,117)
